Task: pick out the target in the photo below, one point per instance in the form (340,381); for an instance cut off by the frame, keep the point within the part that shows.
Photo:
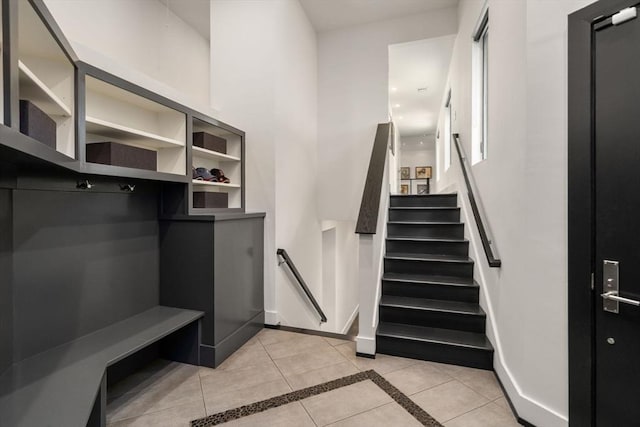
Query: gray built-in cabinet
(88,247)
(212,264)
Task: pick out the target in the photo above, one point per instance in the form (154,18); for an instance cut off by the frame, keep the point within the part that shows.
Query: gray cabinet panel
(186,269)
(239,289)
(215,265)
(82,261)
(6,290)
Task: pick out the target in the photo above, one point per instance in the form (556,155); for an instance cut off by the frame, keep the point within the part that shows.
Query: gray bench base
(213,355)
(66,386)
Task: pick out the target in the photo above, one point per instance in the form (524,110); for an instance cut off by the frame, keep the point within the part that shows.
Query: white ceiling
(414,65)
(193,12)
(331,14)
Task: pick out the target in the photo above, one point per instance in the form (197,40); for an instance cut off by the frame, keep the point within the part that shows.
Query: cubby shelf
(203,152)
(127,134)
(198,182)
(34,89)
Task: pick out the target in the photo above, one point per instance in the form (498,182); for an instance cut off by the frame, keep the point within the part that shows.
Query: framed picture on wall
(404,188)
(423,172)
(405,172)
(423,189)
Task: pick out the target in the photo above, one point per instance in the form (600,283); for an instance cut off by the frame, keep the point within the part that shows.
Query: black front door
(617,223)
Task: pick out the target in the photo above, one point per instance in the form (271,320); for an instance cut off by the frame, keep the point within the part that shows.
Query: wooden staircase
(430,308)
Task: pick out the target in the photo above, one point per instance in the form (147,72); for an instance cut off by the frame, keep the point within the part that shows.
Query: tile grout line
(365,411)
(206,412)
(470,410)
(432,387)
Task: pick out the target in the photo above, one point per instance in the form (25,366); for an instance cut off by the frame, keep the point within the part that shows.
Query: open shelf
(231,163)
(214,155)
(116,115)
(35,90)
(197,182)
(129,135)
(46,78)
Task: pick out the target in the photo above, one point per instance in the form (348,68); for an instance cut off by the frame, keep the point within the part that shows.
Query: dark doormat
(233,414)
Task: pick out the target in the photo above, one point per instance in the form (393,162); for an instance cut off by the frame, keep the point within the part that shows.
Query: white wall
(412,155)
(264,81)
(523,188)
(353,99)
(138,40)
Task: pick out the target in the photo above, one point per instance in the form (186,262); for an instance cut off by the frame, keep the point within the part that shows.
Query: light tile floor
(274,362)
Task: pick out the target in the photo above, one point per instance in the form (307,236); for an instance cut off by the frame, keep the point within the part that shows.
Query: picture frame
(423,189)
(405,172)
(423,172)
(404,188)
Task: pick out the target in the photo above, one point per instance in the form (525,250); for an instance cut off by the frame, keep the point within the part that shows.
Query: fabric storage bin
(206,199)
(36,124)
(210,142)
(114,154)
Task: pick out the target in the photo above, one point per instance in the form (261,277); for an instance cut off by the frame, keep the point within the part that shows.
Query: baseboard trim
(520,420)
(312,332)
(365,355)
(214,355)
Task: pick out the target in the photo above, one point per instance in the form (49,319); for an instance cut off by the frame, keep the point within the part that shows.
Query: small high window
(447,132)
(481,89)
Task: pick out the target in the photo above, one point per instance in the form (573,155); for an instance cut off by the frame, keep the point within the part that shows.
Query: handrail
(303,285)
(486,242)
(368,216)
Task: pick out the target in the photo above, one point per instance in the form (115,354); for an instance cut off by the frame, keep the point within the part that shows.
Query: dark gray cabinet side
(216,267)
(239,283)
(6,286)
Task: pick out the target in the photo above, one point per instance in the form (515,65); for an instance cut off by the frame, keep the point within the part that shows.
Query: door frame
(581,230)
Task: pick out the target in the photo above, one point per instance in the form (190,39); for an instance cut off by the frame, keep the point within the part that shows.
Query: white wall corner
(271,317)
(350,320)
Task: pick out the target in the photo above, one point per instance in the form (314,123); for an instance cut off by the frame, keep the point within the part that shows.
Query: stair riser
(437,268)
(434,231)
(431,291)
(435,352)
(433,319)
(444,215)
(430,248)
(444,200)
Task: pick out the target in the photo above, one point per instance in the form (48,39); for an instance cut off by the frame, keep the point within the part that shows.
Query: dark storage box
(210,142)
(112,153)
(36,124)
(205,199)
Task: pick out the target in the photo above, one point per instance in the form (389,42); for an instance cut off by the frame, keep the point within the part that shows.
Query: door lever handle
(613,296)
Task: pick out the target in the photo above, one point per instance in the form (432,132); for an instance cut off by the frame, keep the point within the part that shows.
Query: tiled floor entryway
(275,362)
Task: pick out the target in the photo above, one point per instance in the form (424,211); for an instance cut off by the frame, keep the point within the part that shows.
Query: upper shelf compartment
(115,115)
(46,78)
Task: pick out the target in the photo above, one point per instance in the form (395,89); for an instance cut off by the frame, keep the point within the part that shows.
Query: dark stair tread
(425,195)
(435,335)
(426,223)
(431,305)
(429,257)
(427,239)
(430,208)
(427,279)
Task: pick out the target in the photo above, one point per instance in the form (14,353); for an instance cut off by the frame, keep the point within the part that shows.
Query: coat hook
(127,187)
(84,185)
